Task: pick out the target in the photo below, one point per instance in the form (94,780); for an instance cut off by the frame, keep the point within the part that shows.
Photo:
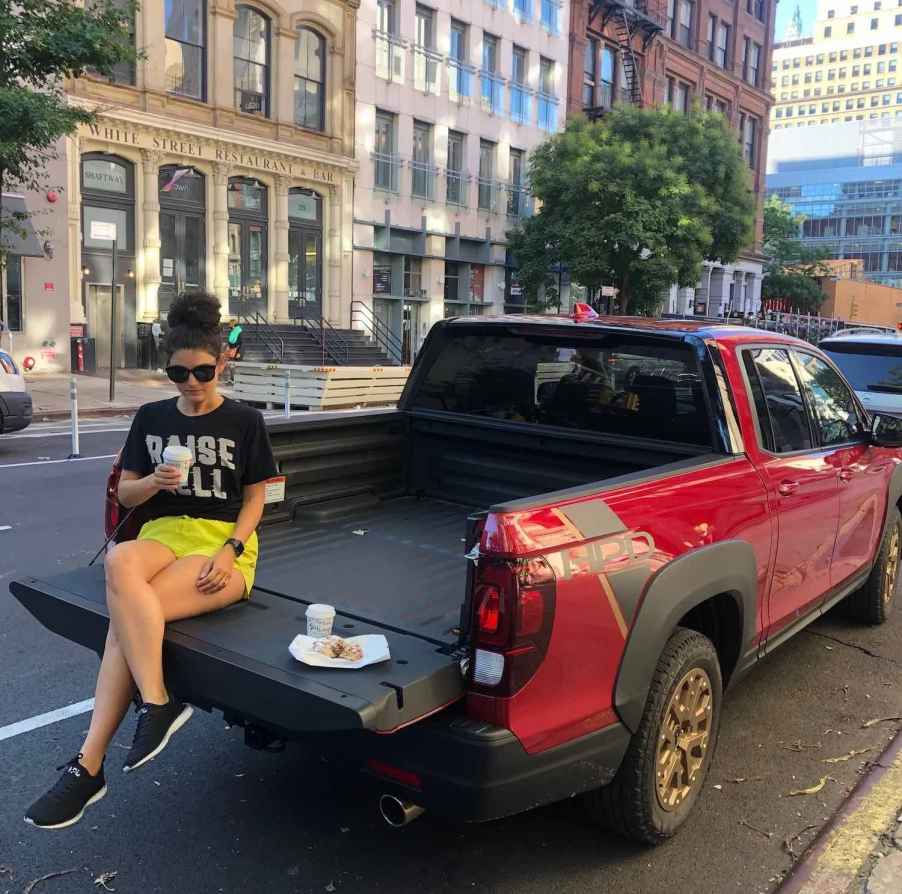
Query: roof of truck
(722,332)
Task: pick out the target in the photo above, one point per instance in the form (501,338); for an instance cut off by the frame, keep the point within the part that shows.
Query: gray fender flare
(726,567)
(893,497)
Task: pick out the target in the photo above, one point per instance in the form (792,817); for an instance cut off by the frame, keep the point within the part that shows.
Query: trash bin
(84,355)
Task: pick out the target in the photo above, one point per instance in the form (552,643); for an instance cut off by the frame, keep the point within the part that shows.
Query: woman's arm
(135,489)
(216,571)
(251,511)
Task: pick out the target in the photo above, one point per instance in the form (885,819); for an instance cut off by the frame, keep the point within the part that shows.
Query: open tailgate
(237,660)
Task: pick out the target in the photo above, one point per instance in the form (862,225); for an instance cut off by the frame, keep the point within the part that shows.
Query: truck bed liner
(407,571)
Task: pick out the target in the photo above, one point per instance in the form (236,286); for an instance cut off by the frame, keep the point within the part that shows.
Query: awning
(17,235)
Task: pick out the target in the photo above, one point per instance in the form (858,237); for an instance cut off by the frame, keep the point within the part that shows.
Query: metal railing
(389,56)
(492,92)
(387,171)
(378,331)
(547,112)
(518,204)
(456,187)
(330,342)
(519,103)
(422,179)
(264,332)
(460,77)
(487,193)
(426,64)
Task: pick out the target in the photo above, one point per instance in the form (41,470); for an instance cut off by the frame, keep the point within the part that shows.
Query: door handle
(786,488)
(845,475)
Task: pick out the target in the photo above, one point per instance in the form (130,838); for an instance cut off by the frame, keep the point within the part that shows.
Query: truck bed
(396,562)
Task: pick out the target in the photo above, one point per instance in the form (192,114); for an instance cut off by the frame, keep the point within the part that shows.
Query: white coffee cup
(319,620)
(180,457)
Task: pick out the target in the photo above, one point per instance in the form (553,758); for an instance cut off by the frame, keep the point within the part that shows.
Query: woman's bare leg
(173,595)
(136,613)
(112,695)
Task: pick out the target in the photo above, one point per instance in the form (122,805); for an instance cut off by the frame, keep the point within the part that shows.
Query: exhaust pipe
(398,812)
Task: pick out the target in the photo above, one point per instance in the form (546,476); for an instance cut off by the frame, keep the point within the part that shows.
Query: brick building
(712,52)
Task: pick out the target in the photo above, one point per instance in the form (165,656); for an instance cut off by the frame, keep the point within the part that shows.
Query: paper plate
(374,645)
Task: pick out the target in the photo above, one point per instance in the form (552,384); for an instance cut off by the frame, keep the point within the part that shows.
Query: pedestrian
(197,552)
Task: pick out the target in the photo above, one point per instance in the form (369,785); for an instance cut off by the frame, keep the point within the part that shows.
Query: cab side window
(835,413)
(782,418)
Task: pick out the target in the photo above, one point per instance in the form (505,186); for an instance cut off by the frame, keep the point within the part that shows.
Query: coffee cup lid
(320,610)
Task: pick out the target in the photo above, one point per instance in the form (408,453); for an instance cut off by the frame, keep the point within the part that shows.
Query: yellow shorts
(187,536)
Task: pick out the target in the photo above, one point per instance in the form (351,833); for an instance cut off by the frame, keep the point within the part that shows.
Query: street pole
(113,326)
(73,400)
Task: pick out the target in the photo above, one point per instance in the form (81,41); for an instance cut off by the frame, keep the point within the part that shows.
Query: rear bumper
(473,772)
(15,411)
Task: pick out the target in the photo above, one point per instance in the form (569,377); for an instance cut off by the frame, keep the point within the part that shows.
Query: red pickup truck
(575,534)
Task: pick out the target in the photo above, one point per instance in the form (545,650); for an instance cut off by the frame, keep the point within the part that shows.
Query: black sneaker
(156,724)
(64,805)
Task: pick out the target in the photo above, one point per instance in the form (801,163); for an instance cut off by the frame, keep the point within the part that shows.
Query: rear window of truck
(611,384)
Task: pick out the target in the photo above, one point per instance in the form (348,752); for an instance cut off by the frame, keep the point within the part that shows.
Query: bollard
(287,393)
(73,402)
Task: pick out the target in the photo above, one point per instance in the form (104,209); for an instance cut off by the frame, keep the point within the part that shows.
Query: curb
(98,413)
(803,879)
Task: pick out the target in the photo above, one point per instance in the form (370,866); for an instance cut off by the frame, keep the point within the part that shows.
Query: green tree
(43,43)
(791,269)
(636,200)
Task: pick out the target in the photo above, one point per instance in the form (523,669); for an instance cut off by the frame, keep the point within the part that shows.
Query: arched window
(186,41)
(251,49)
(309,80)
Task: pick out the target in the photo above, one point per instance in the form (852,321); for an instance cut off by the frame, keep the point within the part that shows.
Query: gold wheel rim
(892,568)
(684,738)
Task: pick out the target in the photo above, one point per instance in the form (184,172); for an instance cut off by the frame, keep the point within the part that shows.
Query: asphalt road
(211,815)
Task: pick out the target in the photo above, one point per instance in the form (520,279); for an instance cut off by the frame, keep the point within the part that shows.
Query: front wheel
(668,758)
(874,602)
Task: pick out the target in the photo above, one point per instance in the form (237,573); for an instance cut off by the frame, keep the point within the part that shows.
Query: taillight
(513,613)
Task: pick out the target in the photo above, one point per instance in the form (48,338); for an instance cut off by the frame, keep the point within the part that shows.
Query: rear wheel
(668,758)
(874,602)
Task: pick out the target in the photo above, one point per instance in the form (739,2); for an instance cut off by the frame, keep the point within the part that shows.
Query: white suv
(15,401)
(871,359)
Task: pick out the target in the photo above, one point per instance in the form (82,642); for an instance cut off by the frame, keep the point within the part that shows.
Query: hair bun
(196,310)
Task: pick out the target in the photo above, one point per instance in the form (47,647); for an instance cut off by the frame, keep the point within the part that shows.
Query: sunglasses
(203,373)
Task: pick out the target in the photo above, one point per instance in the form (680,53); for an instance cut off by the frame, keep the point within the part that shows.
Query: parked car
(872,362)
(623,559)
(15,401)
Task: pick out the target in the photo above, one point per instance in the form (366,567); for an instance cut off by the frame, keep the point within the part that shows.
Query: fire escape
(629,19)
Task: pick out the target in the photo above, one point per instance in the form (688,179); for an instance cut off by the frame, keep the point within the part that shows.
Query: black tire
(873,603)
(631,805)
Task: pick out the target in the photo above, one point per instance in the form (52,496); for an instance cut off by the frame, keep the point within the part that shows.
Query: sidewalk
(134,387)
(860,852)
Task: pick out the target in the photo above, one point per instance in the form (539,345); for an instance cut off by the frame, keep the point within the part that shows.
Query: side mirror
(886,431)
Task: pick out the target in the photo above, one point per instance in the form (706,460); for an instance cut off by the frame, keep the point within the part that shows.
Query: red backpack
(115,514)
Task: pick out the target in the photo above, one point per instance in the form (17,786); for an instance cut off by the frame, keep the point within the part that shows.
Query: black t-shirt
(231,450)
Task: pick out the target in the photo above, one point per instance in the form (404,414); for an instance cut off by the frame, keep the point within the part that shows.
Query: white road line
(36,722)
(50,462)
(57,434)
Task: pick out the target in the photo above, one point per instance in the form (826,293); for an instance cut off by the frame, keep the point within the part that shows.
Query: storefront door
(305,253)
(248,293)
(305,272)
(182,233)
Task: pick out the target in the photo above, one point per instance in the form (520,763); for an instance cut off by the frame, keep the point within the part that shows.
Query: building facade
(451,99)
(847,71)
(223,160)
(713,54)
(847,187)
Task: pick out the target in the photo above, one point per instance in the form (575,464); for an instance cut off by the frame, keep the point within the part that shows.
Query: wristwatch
(236,545)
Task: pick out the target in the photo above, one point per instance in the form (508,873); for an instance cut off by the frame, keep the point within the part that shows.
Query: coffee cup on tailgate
(320,619)
(181,458)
